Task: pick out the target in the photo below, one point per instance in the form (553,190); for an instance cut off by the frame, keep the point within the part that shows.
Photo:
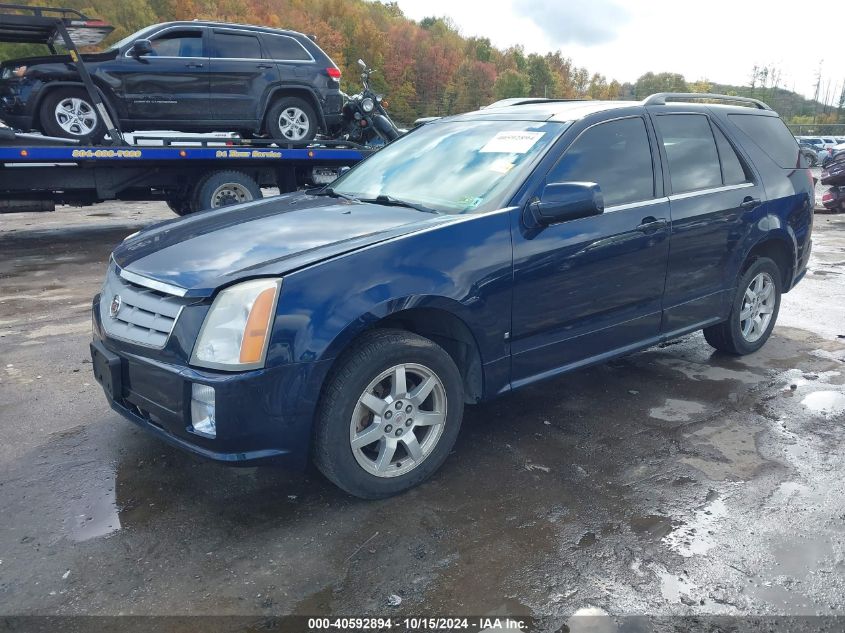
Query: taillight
(827,197)
(333,72)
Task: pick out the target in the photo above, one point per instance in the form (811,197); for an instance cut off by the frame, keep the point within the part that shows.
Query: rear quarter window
(285,48)
(771,135)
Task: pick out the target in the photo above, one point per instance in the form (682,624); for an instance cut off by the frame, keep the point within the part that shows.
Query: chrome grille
(145,316)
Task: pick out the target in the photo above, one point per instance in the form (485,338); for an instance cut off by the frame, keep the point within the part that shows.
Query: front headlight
(367,104)
(236,330)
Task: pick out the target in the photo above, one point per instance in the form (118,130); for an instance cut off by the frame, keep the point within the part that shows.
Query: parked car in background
(478,254)
(810,152)
(186,76)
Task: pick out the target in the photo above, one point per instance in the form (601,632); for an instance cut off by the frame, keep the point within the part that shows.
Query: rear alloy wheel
(291,120)
(389,415)
(754,311)
(69,113)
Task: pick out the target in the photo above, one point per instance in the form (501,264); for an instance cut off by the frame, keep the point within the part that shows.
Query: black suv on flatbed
(188,76)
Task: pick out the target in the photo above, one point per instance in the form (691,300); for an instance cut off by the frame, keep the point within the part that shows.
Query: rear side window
(178,44)
(616,155)
(284,48)
(733,170)
(771,135)
(236,46)
(691,151)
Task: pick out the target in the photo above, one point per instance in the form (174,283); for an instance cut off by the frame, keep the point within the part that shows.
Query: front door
(240,76)
(593,286)
(171,84)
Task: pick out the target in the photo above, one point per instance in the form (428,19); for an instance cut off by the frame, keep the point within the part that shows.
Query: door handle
(193,65)
(265,66)
(652,224)
(749,203)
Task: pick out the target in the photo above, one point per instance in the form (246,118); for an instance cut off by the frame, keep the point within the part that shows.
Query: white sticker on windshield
(511,142)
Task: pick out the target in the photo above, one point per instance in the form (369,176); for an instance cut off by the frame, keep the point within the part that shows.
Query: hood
(210,249)
(57,59)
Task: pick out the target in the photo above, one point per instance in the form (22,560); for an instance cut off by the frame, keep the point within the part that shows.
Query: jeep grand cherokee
(187,76)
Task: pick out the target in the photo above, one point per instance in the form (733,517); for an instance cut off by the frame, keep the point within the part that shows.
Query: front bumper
(262,415)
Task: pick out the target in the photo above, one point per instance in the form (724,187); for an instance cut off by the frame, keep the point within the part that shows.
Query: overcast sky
(719,40)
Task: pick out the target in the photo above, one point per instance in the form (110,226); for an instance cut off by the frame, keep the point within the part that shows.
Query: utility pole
(816,94)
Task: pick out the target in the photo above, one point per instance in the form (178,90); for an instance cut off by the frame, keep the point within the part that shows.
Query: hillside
(424,68)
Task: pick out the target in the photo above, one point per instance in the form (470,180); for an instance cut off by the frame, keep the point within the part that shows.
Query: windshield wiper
(328,191)
(390,201)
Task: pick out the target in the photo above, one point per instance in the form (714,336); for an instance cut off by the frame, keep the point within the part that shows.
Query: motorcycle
(365,120)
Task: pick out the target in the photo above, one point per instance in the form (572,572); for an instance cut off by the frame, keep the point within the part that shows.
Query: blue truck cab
(477,254)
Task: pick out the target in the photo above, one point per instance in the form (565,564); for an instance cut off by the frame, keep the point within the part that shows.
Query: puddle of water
(701,371)
(677,410)
(825,403)
(697,536)
(653,526)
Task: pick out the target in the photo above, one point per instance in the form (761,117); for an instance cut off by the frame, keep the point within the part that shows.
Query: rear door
(170,84)
(593,285)
(240,75)
(295,63)
(712,193)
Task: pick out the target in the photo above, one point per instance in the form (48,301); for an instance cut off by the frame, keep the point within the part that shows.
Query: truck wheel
(69,113)
(754,312)
(179,205)
(291,120)
(389,415)
(224,188)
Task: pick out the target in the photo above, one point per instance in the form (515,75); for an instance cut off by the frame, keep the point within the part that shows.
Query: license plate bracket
(107,370)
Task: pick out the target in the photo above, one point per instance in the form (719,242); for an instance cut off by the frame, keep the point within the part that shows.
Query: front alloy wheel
(398,420)
(389,414)
(76,116)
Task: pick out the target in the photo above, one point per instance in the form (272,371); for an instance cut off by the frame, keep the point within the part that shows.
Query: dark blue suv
(475,255)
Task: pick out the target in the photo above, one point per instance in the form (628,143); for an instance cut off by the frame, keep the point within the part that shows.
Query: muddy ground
(675,481)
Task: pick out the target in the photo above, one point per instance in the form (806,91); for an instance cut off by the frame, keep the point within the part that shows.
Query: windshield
(137,35)
(454,166)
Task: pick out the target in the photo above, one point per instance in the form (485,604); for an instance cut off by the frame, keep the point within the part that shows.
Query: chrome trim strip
(703,192)
(152,284)
(633,205)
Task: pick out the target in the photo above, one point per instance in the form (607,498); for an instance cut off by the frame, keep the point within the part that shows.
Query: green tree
(651,83)
(511,83)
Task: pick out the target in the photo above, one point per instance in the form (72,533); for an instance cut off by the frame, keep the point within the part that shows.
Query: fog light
(202,410)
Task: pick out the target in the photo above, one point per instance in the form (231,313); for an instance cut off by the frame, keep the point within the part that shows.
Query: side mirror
(141,48)
(564,201)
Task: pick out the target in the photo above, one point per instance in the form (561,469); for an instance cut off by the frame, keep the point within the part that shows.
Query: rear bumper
(261,416)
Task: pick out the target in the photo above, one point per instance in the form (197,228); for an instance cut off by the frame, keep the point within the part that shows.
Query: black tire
(812,159)
(49,119)
(241,187)
(727,336)
(309,118)
(372,354)
(179,205)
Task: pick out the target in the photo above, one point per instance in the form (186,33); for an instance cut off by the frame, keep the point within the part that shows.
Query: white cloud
(575,22)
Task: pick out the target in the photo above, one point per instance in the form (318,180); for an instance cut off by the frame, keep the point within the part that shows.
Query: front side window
(691,152)
(178,44)
(236,46)
(615,155)
(453,166)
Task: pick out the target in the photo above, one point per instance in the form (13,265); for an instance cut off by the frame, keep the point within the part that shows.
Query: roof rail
(661,97)
(40,11)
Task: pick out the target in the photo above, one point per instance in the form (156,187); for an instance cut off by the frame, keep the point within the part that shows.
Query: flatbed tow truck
(190,173)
